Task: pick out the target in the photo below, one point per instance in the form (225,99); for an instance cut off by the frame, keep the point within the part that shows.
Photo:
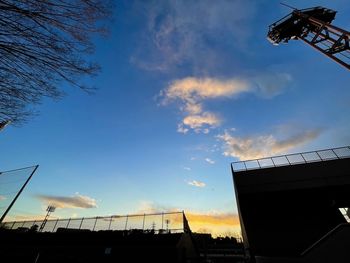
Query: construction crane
(313,26)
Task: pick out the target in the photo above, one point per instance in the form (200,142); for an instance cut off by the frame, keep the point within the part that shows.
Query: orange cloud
(213,219)
(76,201)
(265,145)
(217,224)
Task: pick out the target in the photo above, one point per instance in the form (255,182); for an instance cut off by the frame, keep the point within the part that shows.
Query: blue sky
(186,88)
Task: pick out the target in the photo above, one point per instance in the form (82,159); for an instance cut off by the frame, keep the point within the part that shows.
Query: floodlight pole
(313,26)
(325,32)
(18,194)
(49,210)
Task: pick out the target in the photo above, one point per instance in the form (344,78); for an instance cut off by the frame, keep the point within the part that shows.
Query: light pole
(50,209)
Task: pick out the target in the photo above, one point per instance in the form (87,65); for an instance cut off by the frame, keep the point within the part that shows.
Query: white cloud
(192,89)
(196,183)
(208,160)
(192,92)
(198,121)
(263,145)
(76,201)
(193,108)
(181,128)
(187,168)
(2,198)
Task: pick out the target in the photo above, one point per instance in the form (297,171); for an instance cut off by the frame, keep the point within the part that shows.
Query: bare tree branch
(42,44)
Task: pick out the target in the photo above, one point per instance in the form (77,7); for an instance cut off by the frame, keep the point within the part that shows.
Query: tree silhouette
(42,45)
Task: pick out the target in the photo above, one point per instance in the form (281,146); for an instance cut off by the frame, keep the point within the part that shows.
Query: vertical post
(95,223)
(319,156)
(335,154)
(81,222)
(274,165)
(162,220)
(18,194)
(110,222)
(303,157)
(126,222)
(143,222)
(287,159)
(53,230)
(68,222)
(13,225)
(258,163)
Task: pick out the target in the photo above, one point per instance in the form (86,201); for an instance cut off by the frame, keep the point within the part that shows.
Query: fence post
(162,220)
(319,156)
(126,222)
(95,223)
(81,222)
(335,154)
(110,222)
(53,230)
(143,223)
(274,165)
(68,222)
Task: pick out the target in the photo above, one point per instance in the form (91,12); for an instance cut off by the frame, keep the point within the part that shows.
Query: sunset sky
(186,88)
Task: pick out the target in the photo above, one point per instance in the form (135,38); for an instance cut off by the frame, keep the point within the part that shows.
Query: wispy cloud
(196,122)
(192,92)
(196,89)
(26,217)
(2,197)
(263,145)
(197,183)
(271,84)
(187,168)
(175,32)
(208,160)
(76,201)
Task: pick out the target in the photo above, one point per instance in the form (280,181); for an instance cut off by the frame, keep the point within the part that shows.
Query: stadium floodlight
(50,209)
(314,27)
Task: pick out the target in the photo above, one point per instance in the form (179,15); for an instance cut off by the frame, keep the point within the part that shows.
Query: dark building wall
(284,210)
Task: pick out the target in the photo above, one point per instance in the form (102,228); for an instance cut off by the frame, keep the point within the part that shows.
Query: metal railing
(170,222)
(292,159)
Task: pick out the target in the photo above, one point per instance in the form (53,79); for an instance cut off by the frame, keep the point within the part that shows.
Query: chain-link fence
(171,222)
